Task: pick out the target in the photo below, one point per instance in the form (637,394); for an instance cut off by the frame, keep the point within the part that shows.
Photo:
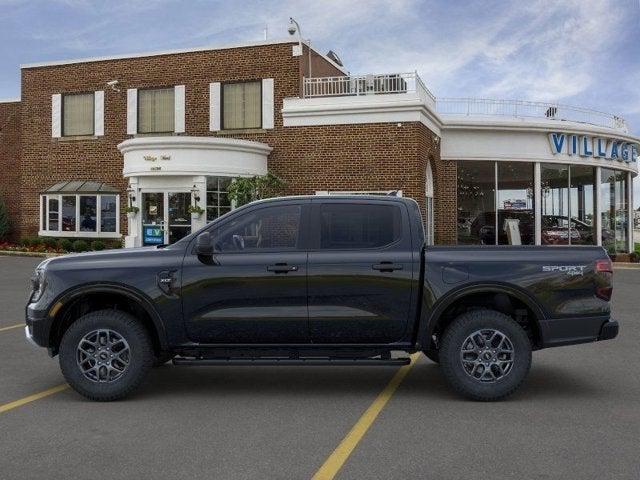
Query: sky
(578,52)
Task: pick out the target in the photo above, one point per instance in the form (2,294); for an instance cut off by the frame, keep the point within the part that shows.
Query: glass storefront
(614,190)
(500,197)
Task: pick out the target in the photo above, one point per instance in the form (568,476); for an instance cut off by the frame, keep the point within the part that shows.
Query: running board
(290,361)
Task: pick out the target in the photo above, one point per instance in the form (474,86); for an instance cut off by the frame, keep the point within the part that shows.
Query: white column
(630,212)
(537,202)
(598,211)
(133,238)
(200,182)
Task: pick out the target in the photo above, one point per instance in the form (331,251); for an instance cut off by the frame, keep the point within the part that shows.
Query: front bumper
(38,325)
(29,336)
(572,331)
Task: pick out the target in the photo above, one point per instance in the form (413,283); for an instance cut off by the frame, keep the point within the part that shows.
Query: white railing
(526,109)
(355,85)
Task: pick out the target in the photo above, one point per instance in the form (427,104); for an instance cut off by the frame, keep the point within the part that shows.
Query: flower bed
(57,245)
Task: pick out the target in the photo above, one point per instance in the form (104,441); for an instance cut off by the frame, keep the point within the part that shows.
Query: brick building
(162,131)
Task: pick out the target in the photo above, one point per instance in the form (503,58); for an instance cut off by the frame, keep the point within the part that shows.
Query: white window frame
(77,233)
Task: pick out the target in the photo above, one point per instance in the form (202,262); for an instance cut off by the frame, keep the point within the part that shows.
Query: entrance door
(165,218)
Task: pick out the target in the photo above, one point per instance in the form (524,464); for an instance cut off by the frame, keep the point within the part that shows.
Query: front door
(361,272)
(255,289)
(165,218)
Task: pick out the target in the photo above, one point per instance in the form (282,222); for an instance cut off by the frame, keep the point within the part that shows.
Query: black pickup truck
(323,280)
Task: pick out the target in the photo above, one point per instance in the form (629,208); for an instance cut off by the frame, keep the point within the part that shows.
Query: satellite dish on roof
(334,56)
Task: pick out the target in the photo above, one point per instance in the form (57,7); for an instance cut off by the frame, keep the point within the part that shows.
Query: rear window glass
(351,226)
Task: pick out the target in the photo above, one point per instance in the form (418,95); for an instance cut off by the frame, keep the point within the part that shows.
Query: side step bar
(290,361)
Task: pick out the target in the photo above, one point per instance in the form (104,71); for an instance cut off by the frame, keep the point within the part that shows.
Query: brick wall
(338,157)
(10,158)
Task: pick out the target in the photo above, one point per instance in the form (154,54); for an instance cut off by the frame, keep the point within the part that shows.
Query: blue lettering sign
(557,142)
(573,146)
(634,152)
(614,150)
(152,235)
(601,149)
(586,147)
(624,151)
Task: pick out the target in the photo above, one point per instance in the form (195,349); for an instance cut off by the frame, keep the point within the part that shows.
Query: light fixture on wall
(132,194)
(195,193)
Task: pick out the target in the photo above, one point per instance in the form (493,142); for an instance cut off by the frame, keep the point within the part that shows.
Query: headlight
(38,284)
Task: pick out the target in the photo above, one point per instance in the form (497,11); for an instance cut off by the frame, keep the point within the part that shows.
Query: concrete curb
(626,265)
(11,253)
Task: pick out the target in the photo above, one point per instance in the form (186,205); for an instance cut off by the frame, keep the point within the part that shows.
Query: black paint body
(368,300)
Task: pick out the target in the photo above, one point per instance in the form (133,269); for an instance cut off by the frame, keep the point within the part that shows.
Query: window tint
(346,226)
(270,228)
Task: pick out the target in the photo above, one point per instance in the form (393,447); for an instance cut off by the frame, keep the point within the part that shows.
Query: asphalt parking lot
(577,417)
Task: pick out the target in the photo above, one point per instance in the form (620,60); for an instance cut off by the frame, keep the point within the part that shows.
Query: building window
(218,202)
(77,215)
(242,105)
(582,198)
(78,114)
(516,209)
(156,110)
(614,210)
(476,202)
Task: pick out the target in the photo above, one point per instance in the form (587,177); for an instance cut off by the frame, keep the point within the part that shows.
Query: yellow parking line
(32,398)
(333,464)
(12,327)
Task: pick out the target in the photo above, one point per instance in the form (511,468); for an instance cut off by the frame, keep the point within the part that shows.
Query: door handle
(386,266)
(282,268)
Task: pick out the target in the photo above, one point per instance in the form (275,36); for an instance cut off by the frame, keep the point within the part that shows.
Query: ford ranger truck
(321,280)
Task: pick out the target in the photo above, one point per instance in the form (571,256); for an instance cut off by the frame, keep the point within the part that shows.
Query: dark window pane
(516,221)
(68,213)
(270,228)
(359,226)
(476,203)
(53,214)
(614,211)
(555,204)
(87,214)
(108,213)
(581,204)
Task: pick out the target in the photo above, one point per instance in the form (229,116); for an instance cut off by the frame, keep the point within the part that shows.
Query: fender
(131,293)
(429,316)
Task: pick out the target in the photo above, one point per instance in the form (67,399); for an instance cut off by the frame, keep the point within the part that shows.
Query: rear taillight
(604,282)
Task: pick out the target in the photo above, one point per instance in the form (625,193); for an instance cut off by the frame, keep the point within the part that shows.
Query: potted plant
(195,211)
(132,211)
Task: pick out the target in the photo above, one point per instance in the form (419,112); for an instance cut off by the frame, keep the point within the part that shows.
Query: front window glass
(359,226)
(218,202)
(77,114)
(582,205)
(242,105)
(476,202)
(54,206)
(270,228)
(108,213)
(88,214)
(516,221)
(68,213)
(613,201)
(555,204)
(156,110)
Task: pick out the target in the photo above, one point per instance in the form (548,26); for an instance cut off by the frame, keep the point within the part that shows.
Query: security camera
(292,29)
(112,84)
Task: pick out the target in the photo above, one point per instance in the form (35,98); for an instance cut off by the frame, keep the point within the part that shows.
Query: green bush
(80,246)
(26,241)
(97,245)
(66,245)
(115,244)
(48,242)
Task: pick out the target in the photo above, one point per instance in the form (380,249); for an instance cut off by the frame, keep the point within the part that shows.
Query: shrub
(80,246)
(97,245)
(26,241)
(115,244)
(66,245)
(634,257)
(48,242)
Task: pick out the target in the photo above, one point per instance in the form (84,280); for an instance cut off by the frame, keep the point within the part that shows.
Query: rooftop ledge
(382,90)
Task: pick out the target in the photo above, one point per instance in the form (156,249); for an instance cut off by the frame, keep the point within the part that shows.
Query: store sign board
(594,147)
(152,235)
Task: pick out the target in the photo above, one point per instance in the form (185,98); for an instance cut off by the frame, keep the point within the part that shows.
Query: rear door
(360,271)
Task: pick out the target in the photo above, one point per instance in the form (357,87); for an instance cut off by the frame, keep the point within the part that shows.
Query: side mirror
(204,247)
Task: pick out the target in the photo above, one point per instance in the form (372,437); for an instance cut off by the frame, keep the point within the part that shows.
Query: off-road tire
(140,358)
(451,347)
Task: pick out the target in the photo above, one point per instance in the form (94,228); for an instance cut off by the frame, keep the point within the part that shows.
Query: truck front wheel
(485,355)
(105,355)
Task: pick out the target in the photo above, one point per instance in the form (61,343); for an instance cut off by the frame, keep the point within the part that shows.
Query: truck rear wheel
(105,355)
(485,355)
